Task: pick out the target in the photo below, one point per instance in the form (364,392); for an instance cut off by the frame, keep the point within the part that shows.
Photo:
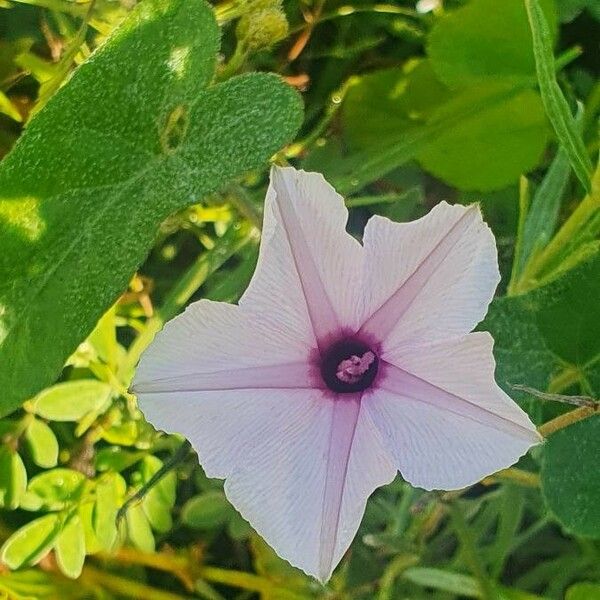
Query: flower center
(349,365)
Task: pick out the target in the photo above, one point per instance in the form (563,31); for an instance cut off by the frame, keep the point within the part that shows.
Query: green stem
(175,459)
(566,420)
(524,201)
(240,199)
(335,103)
(580,216)
(207,263)
(471,553)
(402,516)
(392,572)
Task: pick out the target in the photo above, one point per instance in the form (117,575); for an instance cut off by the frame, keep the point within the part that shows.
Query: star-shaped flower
(342,364)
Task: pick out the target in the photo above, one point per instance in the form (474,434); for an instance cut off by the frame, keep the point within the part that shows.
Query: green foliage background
(136,139)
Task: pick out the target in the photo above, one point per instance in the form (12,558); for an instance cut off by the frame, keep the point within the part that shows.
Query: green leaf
(110,493)
(117,459)
(557,108)
(542,216)
(139,531)
(53,490)
(32,542)
(522,356)
(571,478)
(71,400)
(509,521)
(490,150)
(479,138)
(42,443)
(209,510)
(569,321)
(70,548)
(160,498)
(583,591)
(447,581)
(85,188)
(485,40)
(8,108)
(104,339)
(13,478)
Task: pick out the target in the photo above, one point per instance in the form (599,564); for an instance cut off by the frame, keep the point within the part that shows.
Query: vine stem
(567,419)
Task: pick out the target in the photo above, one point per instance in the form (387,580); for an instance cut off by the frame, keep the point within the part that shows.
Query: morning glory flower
(341,365)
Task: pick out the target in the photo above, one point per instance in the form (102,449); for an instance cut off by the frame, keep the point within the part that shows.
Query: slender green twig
(175,459)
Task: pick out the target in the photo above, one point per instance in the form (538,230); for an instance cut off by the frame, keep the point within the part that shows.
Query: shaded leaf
(485,40)
(571,478)
(482,137)
(209,510)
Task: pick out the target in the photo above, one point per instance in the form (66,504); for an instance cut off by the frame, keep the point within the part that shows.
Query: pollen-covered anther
(352,369)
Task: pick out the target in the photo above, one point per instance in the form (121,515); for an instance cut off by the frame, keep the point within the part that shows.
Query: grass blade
(556,106)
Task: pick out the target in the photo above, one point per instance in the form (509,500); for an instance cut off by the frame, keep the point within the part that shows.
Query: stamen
(352,369)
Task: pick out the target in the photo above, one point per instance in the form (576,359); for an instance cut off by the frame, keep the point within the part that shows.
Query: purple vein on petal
(322,315)
(344,418)
(284,376)
(403,383)
(383,320)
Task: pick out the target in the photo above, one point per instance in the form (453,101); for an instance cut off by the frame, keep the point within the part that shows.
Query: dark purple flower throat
(349,365)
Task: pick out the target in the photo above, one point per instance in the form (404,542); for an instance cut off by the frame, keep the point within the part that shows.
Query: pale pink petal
(443,417)
(309,267)
(429,279)
(298,466)
(214,346)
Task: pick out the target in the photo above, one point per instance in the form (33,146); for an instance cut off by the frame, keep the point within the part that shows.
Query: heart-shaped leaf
(570,477)
(136,134)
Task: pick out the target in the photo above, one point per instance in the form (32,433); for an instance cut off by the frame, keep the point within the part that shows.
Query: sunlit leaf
(42,443)
(83,192)
(31,542)
(13,478)
(71,400)
(70,547)
(53,490)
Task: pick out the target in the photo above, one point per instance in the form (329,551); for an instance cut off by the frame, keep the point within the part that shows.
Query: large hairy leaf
(136,134)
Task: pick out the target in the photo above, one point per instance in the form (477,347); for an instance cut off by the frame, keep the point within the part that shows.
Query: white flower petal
(309,267)
(443,417)
(298,466)
(213,346)
(429,279)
